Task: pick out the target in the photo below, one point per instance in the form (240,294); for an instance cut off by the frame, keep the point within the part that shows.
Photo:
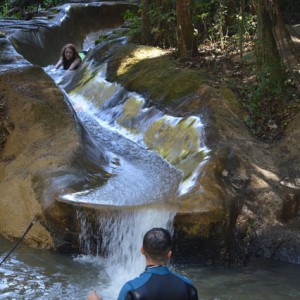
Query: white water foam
(122,242)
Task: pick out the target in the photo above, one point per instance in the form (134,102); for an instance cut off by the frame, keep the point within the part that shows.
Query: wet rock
(42,143)
(241,182)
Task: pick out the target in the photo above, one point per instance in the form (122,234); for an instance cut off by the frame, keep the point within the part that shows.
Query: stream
(39,274)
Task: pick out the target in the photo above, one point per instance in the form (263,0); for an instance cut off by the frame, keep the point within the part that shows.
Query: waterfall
(120,237)
(147,175)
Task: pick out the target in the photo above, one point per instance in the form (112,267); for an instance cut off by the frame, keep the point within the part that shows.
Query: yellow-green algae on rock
(177,143)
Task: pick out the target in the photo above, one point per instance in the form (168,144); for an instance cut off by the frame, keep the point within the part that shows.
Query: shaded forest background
(252,46)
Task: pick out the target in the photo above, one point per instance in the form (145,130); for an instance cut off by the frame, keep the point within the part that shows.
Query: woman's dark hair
(67,63)
(157,243)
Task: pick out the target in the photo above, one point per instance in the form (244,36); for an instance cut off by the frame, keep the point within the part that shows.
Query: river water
(39,274)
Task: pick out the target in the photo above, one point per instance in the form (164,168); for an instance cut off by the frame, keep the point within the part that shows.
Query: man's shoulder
(183,278)
(133,285)
(138,281)
(192,290)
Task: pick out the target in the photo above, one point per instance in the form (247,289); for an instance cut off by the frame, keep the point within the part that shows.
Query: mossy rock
(153,73)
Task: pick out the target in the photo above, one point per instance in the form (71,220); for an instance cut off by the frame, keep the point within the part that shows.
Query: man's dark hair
(157,243)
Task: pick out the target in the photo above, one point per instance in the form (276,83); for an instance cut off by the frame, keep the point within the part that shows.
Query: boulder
(43,143)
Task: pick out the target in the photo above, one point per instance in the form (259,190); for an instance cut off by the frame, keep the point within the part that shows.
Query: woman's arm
(59,63)
(75,63)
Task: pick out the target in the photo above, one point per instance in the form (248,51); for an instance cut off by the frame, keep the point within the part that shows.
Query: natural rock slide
(242,200)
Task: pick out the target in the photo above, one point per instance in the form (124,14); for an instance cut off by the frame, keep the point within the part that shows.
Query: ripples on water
(40,274)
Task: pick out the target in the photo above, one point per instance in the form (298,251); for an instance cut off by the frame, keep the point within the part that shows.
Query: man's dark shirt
(158,283)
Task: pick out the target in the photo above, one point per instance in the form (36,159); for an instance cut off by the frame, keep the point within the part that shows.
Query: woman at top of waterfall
(70,59)
(157,282)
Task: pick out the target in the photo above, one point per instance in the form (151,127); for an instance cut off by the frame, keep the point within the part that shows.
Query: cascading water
(122,235)
(143,187)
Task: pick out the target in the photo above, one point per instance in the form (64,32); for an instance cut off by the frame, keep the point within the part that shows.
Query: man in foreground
(157,282)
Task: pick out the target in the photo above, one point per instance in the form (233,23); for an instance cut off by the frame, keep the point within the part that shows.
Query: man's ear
(169,254)
(142,251)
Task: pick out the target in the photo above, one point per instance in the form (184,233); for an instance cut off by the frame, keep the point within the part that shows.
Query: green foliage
(203,17)
(218,28)
(262,99)
(133,18)
(51,3)
(244,27)
(163,24)
(213,20)
(262,103)
(267,86)
(4,8)
(17,8)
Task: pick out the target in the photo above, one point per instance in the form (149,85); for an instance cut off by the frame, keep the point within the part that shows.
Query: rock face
(43,153)
(43,143)
(245,203)
(46,152)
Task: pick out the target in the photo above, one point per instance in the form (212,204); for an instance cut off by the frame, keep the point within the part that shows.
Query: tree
(186,44)
(284,43)
(267,55)
(274,48)
(146,27)
(281,35)
(163,23)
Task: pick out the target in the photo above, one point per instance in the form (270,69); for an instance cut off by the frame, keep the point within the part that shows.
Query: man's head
(157,244)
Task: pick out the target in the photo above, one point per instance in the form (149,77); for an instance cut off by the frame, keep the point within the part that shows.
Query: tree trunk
(270,72)
(185,39)
(281,35)
(285,46)
(146,28)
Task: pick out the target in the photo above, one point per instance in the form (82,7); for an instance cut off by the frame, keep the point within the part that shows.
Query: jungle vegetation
(245,44)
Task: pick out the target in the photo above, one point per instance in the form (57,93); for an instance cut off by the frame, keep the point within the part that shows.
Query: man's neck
(154,266)
(156,263)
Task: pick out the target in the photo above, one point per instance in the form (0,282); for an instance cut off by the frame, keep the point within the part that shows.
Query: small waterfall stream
(122,235)
(143,188)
